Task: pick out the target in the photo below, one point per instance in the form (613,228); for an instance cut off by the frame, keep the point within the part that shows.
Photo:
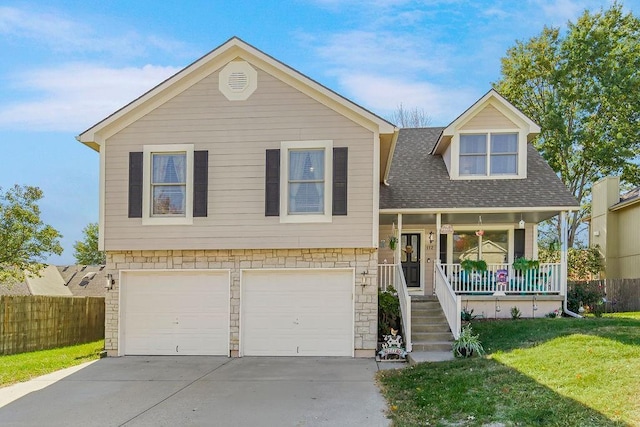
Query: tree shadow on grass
(476,392)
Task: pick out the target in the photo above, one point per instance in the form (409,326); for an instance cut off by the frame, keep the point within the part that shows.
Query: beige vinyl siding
(489,119)
(236,134)
(628,238)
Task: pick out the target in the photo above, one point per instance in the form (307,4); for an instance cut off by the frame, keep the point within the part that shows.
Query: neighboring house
(614,227)
(242,206)
(84,280)
(48,282)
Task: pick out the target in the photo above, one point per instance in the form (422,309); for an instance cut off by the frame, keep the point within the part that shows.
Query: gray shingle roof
(418,179)
(84,280)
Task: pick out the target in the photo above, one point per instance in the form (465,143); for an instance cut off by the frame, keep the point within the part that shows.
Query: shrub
(467,344)
(388,312)
(515,313)
(467,315)
(588,294)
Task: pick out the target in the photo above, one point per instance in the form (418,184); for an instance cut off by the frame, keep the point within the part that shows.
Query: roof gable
(491,102)
(231,50)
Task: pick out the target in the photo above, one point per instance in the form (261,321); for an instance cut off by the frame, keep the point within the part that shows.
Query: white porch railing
(450,302)
(503,278)
(405,306)
(386,276)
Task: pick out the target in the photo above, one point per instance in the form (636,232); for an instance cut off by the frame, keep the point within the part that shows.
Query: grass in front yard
(25,366)
(539,372)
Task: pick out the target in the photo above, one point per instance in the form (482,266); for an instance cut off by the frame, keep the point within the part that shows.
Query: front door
(410,247)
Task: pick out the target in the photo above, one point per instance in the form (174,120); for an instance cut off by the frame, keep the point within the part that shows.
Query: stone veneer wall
(366,298)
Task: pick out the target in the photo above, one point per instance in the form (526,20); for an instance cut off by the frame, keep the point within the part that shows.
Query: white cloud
(75,96)
(62,34)
(394,52)
(561,11)
(384,94)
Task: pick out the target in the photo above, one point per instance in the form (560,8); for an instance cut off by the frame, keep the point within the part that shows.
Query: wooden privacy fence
(623,294)
(620,294)
(29,323)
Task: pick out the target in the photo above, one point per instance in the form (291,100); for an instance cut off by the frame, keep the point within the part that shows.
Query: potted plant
(467,344)
(524,264)
(526,271)
(393,242)
(469,265)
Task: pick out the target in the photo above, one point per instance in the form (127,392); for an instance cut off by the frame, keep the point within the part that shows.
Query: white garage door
(175,312)
(297,313)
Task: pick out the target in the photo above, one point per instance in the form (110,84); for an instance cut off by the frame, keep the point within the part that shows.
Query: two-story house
(245,208)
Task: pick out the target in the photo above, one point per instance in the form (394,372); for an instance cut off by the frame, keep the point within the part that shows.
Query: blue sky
(66,65)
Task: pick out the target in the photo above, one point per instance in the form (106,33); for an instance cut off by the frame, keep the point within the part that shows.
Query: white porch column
(437,260)
(398,250)
(534,237)
(563,253)
(438,226)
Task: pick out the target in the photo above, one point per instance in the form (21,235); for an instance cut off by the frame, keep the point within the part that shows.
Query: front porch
(499,279)
(430,253)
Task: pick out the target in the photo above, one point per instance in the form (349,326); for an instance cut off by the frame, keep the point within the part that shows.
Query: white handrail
(405,306)
(503,278)
(450,302)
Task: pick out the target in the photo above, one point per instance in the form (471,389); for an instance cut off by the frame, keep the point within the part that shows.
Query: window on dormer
(488,154)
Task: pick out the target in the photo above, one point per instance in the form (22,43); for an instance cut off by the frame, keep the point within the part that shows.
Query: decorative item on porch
(526,273)
(393,242)
(467,344)
(393,238)
(392,346)
(473,270)
(521,222)
(480,230)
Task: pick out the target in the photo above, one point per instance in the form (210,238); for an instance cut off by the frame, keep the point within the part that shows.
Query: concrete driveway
(207,391)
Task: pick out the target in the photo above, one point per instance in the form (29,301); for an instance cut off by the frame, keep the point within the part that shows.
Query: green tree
(582,263)
(86,251)
(24,239)
(582,88)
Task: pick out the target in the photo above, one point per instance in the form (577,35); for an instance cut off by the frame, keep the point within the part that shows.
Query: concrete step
(423,298)
(429,356)
(431,336)
(432,346)
(429,304)
(430,327)
(431,315)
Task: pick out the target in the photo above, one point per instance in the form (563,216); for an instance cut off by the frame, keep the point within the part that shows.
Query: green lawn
(540,372)
(25,366)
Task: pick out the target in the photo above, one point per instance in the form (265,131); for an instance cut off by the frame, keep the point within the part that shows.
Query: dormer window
(496,153)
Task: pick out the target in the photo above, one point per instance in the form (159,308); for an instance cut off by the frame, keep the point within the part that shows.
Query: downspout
(563,263)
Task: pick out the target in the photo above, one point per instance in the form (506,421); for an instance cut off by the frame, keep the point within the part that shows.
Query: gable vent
(238,80)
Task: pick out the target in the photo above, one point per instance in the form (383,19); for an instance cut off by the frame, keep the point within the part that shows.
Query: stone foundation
(366,297)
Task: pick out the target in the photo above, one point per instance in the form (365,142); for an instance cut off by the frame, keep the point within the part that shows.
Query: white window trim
(508,228)
(285,147)
(521,162)
(147,218)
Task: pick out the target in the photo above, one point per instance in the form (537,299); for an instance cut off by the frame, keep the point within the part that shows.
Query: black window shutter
(340,169)
(443,249)
(272,184)
(200,182)
(135,185)
(518,243)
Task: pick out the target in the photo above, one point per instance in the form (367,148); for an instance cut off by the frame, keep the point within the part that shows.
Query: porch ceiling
(468,217)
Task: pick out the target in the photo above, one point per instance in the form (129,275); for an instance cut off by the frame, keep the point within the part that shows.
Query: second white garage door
(178,312)
(297,313)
